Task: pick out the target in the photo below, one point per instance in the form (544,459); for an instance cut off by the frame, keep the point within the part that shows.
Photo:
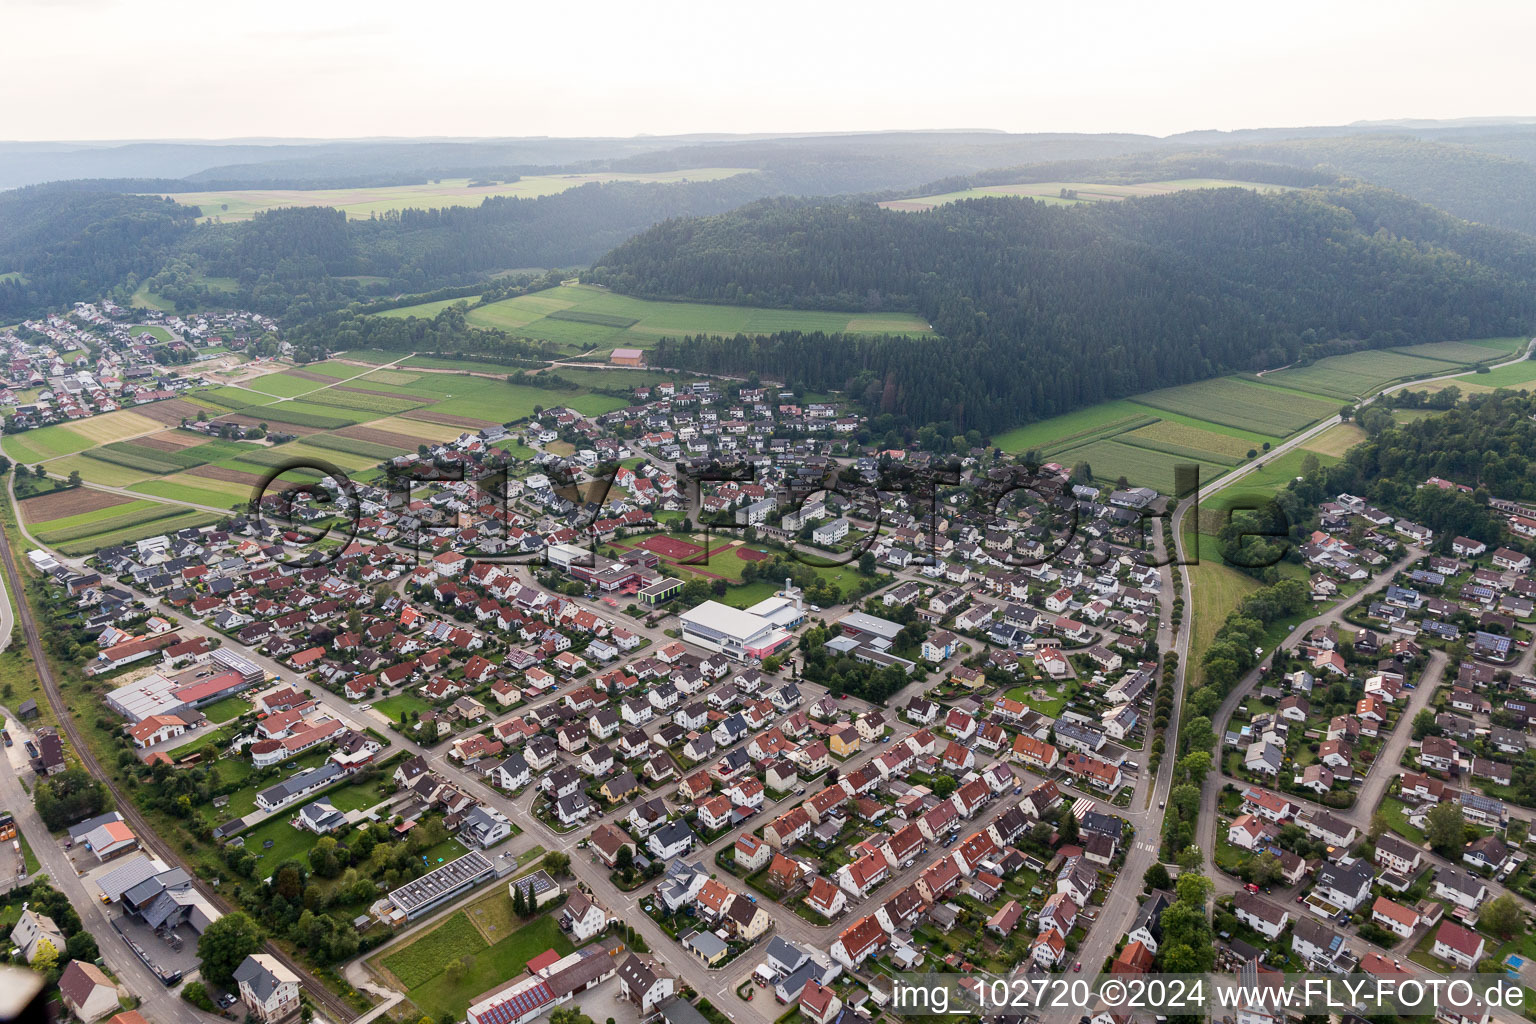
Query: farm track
(333,1005)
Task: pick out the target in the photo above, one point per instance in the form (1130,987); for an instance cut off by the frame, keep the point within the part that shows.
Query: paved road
(324,999)
(157,1002)
(1210,791)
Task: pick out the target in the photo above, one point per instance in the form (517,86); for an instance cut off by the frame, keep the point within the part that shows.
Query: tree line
(1043,309)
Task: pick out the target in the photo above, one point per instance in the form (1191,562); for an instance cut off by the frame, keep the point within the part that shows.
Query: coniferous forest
(1042,309)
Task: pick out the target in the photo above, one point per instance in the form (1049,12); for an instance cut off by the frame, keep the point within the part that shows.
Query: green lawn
(1397,819)
(222,711)
(408,701)
(288,843)
(476,965)
(1052,704)
(1216,590)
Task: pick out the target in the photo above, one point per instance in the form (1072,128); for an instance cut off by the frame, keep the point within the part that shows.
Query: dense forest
(1056,307)
(1485,187)
(1486,442)
(57,247)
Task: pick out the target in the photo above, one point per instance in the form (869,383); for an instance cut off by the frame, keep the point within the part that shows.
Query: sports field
(588,317)
(243,204)
(1076,192)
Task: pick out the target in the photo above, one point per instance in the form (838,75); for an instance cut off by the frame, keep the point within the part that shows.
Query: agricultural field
(283,385)
(95,471)
(588,317)
(154,459)
(1355,375)
(101,520)
(1516,376)
(1243,404)
(68,438)
(196,490)
(230,397)
(62,504)
(1085,192)
(1081,425)
(243,204)
(1110,460)
(86,544)
(1338,439)
(1187,440)
(1475,351)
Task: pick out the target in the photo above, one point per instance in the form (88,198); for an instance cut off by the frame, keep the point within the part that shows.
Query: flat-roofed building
(441,884)
(735,633)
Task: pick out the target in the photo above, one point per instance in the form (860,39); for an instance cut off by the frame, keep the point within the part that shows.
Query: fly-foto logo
(315,510)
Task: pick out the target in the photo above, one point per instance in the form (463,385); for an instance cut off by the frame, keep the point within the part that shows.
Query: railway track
(333,1005)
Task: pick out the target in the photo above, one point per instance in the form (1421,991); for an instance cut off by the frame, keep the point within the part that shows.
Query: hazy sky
(111,69)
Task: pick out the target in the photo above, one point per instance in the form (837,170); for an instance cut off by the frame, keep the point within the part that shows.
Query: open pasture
(243,204)
(589,317)
(1080,192)
(1242,404)
(1516,376)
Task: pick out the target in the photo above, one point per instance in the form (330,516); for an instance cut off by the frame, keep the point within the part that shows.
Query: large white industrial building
(734,633)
